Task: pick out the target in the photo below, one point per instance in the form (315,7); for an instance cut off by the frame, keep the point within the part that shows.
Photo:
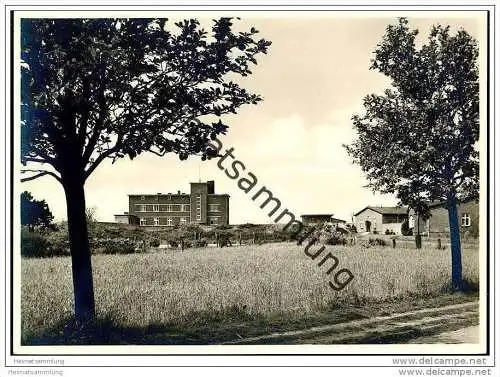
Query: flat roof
(162,194)
(318,215)
(174,194)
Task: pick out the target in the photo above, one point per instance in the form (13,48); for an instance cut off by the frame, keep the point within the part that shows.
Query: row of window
(198,207)
(213,208)
(156,197)
(175,207)
(163,208)
(159,221)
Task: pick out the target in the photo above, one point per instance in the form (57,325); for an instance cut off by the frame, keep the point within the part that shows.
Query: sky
(313,80)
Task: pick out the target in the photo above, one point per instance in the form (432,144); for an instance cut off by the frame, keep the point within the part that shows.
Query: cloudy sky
(313,80)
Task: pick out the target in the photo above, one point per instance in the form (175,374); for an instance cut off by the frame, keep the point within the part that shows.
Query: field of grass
(200,286)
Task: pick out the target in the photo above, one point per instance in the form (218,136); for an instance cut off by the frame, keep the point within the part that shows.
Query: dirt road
(465,335)
(455,324)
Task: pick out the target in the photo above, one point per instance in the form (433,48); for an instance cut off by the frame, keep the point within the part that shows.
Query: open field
(203,286)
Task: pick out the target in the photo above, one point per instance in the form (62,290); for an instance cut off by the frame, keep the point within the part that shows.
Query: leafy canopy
(419,138)
(35,212)
(107,88)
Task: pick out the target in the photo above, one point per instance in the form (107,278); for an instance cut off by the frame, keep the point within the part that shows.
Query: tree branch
(50,160)
(102,156)
(82,131)
(89,149)
(41,173)
(32,159)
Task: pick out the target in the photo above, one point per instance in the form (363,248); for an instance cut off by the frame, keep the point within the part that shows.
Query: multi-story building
(201,206)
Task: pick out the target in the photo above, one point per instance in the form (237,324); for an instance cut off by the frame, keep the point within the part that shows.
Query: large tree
(35,212)
(419,139)
(96,89)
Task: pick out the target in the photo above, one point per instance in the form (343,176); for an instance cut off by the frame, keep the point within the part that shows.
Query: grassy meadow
(200,286)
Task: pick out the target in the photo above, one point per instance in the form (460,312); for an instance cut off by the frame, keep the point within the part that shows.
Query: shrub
(405,229)
(155,242)
(58,243)
(118,246)
(247,225)
(34,245)
(46,244)
(223,227)
(199,243)
(377,242)
(389,232)
(336,238)
(352,228)
(174,244)
(59,248)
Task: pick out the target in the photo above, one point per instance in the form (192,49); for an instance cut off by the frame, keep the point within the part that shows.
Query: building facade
(380,219)
(201,206)
(438,224)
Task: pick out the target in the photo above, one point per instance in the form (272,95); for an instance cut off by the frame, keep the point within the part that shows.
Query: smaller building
(336,221)
(381,220)
(320,219)
(126,218)
(437,224)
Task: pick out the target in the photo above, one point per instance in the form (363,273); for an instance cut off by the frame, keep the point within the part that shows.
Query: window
(141,208)
(142,221)
(156,221)
(169,221)
(198,207)
(213,207)
(143,197)
(156,208)
(465,219)
(183,221)
(186,208)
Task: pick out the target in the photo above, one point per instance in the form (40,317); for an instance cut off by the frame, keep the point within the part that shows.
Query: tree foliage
(419,138)
(109,88)
(35,213)
(97,89)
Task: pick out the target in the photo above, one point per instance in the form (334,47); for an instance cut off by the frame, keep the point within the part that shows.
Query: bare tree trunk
(456,253)
(80,250)
(418,236)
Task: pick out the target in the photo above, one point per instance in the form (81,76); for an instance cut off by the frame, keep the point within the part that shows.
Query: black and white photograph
(303,182)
